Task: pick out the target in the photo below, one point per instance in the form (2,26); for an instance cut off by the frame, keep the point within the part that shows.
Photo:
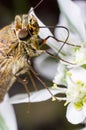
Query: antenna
(36,6)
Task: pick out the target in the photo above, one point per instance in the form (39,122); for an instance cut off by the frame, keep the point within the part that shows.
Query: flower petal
(78,74)
(45,32)
(60,74)
(45,66)
(74,116)
(84,110)
(8,115)
(39,96)
(73,15)
(82,5)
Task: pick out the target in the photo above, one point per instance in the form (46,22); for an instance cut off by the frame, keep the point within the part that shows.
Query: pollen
(77,95)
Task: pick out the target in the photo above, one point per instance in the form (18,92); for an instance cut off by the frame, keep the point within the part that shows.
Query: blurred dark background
(45,115)
(47,10)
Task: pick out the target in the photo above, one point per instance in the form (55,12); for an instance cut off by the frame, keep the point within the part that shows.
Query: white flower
(75,95)
(70,17)
(7,116)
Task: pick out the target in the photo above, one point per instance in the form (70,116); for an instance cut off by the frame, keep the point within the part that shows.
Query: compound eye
(23,34)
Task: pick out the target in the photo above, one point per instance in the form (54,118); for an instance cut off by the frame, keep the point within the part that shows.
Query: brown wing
(6,77)
(7,38)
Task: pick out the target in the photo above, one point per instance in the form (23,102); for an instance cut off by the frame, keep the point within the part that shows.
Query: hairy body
(19,42)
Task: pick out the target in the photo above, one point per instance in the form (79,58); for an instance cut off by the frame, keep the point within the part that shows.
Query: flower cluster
(73,75)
